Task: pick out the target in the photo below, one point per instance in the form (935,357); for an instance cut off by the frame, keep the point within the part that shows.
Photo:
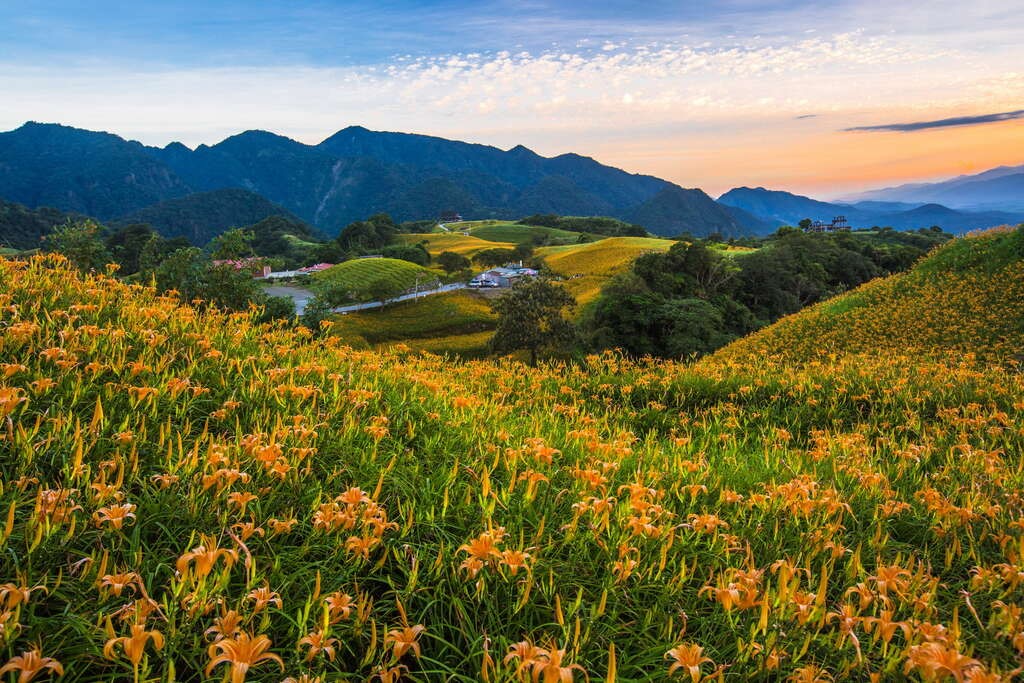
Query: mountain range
(349,176)
(198,193)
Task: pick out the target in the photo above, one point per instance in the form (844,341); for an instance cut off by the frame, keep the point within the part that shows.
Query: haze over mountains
(357,172)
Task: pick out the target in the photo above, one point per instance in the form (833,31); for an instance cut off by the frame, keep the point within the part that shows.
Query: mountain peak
(523,152)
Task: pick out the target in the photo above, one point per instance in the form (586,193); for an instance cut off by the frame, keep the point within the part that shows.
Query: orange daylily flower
(30,664)
(134,645)
(404,639)
(688,657)
(241,653)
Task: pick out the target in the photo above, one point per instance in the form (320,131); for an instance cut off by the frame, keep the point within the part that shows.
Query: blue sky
(807,96)
(353,33)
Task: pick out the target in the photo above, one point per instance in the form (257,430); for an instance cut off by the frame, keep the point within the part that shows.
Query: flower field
(186,495)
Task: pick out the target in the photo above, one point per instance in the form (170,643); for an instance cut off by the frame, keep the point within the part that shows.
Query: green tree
(367,236)
(531,317)
(232,244)
(80,241)
(413,253)
(316,310)
(127,244)
(452,262)
(495,257)
(804,224)
(183,271)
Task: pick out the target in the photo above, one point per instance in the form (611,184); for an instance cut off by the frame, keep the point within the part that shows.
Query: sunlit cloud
(942,123)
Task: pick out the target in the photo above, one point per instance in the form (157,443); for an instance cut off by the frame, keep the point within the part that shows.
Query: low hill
(201,216)
(966,299)
(369,279)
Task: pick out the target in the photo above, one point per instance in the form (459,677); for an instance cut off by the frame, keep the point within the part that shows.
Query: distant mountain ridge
(786,208)
(349,176)
(999,188)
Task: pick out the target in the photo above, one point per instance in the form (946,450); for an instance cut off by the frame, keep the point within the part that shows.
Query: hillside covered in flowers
(189,495)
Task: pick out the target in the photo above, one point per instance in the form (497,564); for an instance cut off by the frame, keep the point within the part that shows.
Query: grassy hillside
(517,234)
(427,323)
(231,488)
(591,265)
(467,245)
(369,279)
(967,297)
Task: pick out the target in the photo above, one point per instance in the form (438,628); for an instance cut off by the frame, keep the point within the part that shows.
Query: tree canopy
(531,317)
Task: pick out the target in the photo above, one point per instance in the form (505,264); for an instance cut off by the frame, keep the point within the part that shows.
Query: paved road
(299,295)
(405,297)
(302,297)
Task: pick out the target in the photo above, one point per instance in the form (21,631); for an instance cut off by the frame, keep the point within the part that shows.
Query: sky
(821,98)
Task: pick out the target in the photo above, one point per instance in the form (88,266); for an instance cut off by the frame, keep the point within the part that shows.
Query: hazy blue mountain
(751,224)
(785,208)
(201,216)
(951,220)
(999,188)
(348,176)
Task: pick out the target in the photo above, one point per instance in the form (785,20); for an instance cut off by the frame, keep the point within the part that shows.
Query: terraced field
(369,278)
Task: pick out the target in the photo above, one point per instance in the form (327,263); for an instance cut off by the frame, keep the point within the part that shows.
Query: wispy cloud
(940,123)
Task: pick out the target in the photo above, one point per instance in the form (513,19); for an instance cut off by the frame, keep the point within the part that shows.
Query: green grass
(365,279)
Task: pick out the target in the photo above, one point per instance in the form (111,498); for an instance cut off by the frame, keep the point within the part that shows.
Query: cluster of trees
(695,298)
(143,255)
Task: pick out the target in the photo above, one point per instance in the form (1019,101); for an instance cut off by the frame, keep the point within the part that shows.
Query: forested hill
(350,175)
(201,216)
